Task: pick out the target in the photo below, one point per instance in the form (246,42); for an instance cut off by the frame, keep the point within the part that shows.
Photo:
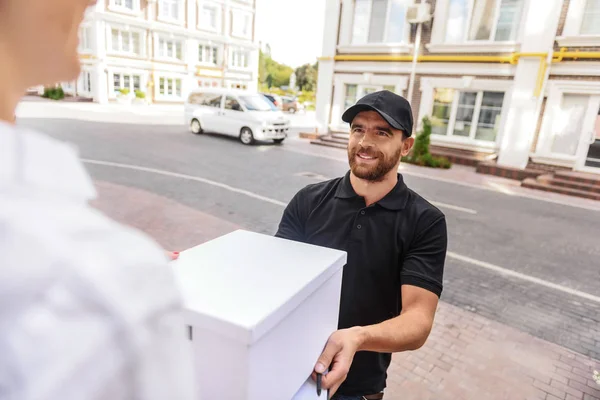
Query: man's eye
(382,133)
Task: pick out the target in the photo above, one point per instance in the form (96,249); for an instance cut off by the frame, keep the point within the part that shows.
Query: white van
(246,115)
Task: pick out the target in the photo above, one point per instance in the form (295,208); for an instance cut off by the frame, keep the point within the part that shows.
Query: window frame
(243,16)
(170,82)
(122,74)
(219,52)
(168,18)
(86,34)
(571,35)
(428,85)
(130,31)
(165,40)
(86,77)
(406,36)
(218,16)
(248,54)
(113,6)
(438,42)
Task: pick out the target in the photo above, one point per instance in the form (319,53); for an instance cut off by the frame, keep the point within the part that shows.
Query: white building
(165,48)
(518,80)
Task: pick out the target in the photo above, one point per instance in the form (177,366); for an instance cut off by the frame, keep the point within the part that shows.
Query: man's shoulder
(315,192)
(422,208)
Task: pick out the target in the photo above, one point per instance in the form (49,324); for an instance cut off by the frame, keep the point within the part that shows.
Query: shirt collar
(395,200)
(31,159)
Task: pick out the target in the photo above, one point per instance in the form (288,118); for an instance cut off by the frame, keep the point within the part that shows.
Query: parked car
(275,99)
(246,115)
(290,104)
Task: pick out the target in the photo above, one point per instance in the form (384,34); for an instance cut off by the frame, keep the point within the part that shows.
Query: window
(170,48)
(205,99)
(86,78)
(391,88)
(483,20)
(380,21)
(125,41)
(241,24)
(85,38)
(170,9)
(469,114)
(591,18)
(208,54)
(257,102)
(126,81)
(209,17)
(128,4)
(169,87)
(232,104)
(350,96)
(239,59)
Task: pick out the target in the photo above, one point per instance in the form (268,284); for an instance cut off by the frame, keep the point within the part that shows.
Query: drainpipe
(413,69)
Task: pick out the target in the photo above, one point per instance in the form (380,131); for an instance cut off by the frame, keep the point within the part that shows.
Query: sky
(293,29)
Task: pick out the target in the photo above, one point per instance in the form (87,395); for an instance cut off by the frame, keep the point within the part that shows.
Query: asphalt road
(542,241)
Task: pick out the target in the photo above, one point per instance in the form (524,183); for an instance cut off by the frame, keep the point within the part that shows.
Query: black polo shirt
(400,240)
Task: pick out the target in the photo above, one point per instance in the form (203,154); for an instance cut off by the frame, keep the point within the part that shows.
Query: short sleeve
(424,263)
(293,220)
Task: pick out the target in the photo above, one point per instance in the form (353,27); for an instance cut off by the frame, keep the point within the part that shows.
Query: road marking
(481,264)
(519,275)
(452,207)
(188,177)
(495,189)
(225,186)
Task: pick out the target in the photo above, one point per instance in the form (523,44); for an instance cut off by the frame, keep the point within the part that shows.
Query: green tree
(271,73)
(420,154)
(306,77)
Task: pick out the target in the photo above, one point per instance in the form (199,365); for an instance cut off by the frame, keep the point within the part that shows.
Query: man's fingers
(335,377)
(334,389)
(331,349)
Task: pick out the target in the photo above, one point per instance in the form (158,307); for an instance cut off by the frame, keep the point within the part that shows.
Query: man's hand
(337,356)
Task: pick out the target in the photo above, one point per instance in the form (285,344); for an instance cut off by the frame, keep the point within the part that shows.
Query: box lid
(243,284)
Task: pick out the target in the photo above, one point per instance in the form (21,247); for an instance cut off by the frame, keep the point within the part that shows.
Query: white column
(99,78)
(325,79)
(539,30)
(253,84)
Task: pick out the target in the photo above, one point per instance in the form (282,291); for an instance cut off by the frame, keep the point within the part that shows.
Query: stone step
(580,177)
(535,184)
(455,158)
(341,136)
(333,139)
(320,142)
(554,180)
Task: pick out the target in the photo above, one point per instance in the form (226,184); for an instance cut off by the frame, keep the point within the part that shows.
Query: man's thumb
(326,358)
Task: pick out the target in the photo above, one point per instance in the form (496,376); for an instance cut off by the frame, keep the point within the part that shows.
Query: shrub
(54,93)
(139,94)
(420,154)
(124,91)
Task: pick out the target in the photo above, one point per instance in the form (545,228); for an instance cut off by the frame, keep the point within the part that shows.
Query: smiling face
(40,38)
(375,148)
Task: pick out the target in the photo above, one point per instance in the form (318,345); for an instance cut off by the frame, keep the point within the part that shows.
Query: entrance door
(588,152)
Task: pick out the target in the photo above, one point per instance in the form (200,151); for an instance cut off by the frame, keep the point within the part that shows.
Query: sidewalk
(470,357)
(466,357)
(458,174)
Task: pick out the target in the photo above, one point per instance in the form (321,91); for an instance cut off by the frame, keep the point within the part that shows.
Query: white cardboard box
(261,310)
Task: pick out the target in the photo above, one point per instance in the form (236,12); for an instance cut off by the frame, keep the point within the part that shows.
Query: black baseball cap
(393,108)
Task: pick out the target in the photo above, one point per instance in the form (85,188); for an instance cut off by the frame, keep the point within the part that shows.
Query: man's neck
(372,191)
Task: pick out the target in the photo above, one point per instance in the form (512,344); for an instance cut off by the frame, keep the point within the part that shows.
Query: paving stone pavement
(469,357)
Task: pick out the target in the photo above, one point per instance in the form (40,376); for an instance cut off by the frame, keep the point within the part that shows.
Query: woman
(88,308)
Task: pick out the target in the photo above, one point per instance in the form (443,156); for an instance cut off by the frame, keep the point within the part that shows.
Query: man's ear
(407,144)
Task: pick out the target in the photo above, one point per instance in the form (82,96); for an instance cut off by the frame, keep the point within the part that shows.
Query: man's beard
(376,172)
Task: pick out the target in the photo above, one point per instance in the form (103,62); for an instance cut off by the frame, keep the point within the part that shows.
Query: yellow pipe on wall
(511,59)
